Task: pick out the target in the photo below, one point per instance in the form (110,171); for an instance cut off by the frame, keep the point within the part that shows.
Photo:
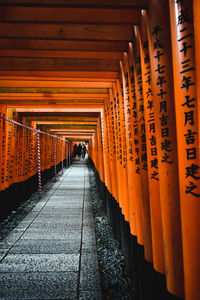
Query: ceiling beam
(61,54)
(70,74)
(70,15)
(58,64)
(81,3)
(66,31)
(53,84)
(54,90)
(75,45)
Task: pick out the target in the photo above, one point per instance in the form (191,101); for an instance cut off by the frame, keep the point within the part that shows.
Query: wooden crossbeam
(66,31)
(70,15)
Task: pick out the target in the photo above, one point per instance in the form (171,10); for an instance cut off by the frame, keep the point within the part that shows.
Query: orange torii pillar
(118,149)
(165,122)
(100,169)
(113,195)
(196,12)
(138,194)
(152,156)
(125,217)
(183,50)
(112,147)
(107,175)
(116,167)
(142,159)
(123,150)
(128,96)
(100,151)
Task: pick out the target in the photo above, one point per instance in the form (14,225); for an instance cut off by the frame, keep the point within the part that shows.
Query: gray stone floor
(51,254)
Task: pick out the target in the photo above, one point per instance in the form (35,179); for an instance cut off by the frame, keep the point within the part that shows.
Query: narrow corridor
(51,254)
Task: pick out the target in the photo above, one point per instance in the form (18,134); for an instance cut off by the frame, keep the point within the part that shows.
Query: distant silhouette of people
(79,149)
(83,151)
(75,150)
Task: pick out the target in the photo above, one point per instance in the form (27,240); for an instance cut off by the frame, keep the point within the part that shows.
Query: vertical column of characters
(21,154)
(105,147)
(116,135)
(113,146)
(31,151)
(152,155)
(48,142)
(135,187)
(184,68)
(122,158)
(13,154)
(95,149)
(25,154)
(196,12)
(110,146)
(139,142)
(17,155)
(45,151)
(100,150)
(108,151)
(8,152)
(162,86)
(128,102)
(124,148)
(140,181)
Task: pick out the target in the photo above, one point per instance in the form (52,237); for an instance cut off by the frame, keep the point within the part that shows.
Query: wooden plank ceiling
(59,54)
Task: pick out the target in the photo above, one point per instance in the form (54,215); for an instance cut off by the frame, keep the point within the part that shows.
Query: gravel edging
(115,284)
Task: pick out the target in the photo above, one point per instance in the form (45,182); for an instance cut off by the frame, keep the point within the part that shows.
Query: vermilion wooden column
(105,150)
(112,146)
(110,150)
(183,50)
(128,95)
(118,146)
(152,157)
(196,12)
(142,143)
(124,152)
(162,86)
(100,146)
(137,178)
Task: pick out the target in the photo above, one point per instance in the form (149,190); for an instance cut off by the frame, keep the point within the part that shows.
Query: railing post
(55,159)
(62,154)
(39,165)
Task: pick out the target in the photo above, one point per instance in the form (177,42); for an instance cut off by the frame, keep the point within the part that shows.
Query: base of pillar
(148,283)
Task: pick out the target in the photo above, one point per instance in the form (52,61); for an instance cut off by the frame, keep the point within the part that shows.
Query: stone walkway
(51,254)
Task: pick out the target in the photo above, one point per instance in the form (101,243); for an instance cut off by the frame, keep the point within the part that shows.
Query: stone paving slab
(48,235)
(40,263)
(51,254)
(51,285)
(39,246)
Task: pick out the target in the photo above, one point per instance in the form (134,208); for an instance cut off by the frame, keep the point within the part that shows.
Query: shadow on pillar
(148,284)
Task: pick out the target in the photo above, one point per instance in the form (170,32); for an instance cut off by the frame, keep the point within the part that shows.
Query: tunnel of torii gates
(123,76)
